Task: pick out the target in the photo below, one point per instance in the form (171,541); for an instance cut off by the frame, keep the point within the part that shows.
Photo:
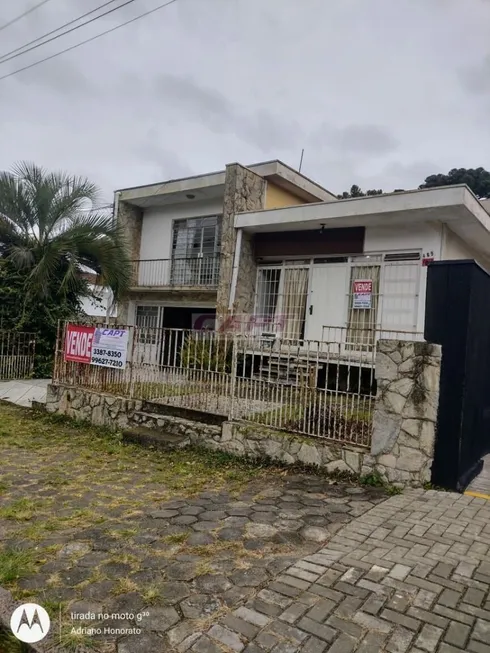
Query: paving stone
(181,571)
(457,634)
(314,645)
(142,644)
(315,534)
(400,640)
(343,644)
(290,633)
(230,534)
(184,520)
(428,638)
(227,637)
(163,514)
(252,616)
(199,606)
(192,510)
(321,610)
(116,570)
(252,577)
(481,631)
(200,539)
(128,602)
(159,619)
(267,640)
(205,645)
(241,626)
(212,515)
(317,629)
(236,595)
(212,583)
(206,526)
(98,591)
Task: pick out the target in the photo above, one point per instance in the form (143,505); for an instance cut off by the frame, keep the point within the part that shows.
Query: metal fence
(322,388)
(202,271)
(17,351)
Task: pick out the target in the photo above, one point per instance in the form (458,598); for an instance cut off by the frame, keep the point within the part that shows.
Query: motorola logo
(30,623)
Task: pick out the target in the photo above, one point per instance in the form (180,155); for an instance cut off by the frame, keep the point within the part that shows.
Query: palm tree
(50,233)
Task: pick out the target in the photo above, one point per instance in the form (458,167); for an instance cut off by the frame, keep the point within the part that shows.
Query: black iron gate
(458,318)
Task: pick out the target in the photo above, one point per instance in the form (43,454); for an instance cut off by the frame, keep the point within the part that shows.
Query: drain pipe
(236,265)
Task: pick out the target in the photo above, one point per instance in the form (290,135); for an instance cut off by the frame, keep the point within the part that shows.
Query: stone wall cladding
(244,191)
(131,219)
(253,441)
(405,417)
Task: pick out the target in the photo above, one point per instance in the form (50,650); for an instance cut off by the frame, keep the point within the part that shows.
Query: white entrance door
(148,334)
(327,301)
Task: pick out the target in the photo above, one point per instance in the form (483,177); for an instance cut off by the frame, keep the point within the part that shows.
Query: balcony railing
(197,272)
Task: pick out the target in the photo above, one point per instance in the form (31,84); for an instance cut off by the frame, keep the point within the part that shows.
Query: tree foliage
(50,234)
(356,191)
(478,179)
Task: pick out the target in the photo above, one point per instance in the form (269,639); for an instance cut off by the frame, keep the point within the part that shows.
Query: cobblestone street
(411,575)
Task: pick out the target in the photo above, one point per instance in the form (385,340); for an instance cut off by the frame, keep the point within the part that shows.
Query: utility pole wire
(53,31)
(93,38)
(68,31)
(28,11)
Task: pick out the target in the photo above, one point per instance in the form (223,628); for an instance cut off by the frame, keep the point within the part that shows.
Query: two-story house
(182,237)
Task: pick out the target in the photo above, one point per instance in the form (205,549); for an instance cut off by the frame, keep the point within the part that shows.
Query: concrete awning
(455,206)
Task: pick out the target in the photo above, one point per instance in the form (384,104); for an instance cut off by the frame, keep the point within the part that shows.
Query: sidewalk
(412,575)
(24,392)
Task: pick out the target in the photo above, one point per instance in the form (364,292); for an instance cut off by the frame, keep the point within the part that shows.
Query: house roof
(455,206)
(211,185)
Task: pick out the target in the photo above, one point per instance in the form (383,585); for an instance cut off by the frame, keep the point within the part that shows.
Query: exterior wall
(454,248)
(244,191)
(276,197)
(156,236)
(422,237)
(405,417)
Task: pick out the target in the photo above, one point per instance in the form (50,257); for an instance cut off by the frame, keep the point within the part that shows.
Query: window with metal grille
(147,323)
(196,244)
(281,299)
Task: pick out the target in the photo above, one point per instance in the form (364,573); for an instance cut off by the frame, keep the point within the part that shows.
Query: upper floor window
(196,237)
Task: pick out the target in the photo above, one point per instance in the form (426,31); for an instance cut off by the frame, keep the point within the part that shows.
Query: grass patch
(15,565)
(10,644)
(176,538)
(124,586)
(374,479)
(151,595)
(20,510)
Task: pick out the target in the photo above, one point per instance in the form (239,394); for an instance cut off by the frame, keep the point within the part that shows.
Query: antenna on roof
(301,160)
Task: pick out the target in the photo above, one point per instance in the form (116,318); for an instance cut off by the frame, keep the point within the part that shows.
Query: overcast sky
(378,92)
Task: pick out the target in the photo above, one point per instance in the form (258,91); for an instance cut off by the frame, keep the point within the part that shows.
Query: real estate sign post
(96,346)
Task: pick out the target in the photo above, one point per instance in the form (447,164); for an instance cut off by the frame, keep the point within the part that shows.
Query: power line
(93,38)
(28,11)
(68,31)
(53,31)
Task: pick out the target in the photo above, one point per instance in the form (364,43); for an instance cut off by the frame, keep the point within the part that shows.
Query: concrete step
(154,439)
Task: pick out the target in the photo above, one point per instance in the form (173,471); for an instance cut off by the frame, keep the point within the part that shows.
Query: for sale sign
(110,348)
(78,343)
(96,346)
(362,293)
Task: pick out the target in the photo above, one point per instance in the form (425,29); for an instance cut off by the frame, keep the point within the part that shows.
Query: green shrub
(207,351)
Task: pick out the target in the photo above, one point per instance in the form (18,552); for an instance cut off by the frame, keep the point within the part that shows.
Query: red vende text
(78,343)
(361,287)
